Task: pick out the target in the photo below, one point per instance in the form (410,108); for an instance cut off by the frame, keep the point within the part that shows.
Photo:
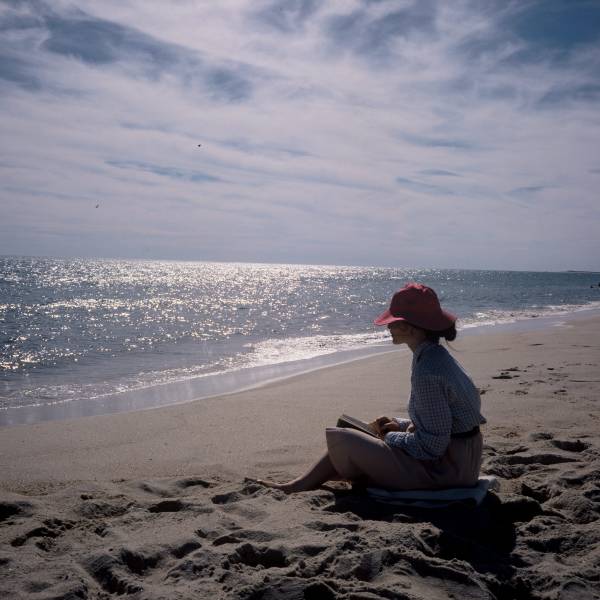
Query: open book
(352,423)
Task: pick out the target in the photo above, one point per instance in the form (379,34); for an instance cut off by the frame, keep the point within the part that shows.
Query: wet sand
(153,504)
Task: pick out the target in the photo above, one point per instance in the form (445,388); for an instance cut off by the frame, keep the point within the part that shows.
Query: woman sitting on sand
(440,446)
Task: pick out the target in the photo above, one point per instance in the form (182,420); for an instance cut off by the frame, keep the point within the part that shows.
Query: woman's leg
(321,472)
(357,456)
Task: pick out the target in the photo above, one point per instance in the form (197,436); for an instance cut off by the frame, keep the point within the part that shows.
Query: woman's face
(401,331)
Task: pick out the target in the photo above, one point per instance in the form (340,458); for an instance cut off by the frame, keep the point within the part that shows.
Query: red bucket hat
(418,305)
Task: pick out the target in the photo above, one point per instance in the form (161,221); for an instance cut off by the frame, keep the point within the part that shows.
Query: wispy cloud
(330,131)
(437,142)
(372,34)
(286,16)
(74,34)
(528,190)
(438,173)
(570,94)
(420,186)
(162,171)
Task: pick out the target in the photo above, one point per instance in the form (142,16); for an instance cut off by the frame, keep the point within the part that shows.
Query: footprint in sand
(542,459)
(293,588)
(200,565)
(248,490)
(539,491)
(194,482)
(580,509)
(244,536)
(44,534)
(516,450)
(540,435)
(102,510)
(168,506)
(138,561)
(176,505)
(176,488)
(110,574)
(15,509)
(514,466)
(264,556)
(504,375)
(184,548)
(570,446)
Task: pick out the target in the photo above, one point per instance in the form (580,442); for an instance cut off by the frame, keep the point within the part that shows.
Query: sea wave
(493,317)
(78,329)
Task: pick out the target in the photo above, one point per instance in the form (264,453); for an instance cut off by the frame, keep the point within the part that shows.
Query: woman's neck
(416,340)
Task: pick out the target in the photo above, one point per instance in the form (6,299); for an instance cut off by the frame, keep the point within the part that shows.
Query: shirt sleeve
(404,423)
(432,419)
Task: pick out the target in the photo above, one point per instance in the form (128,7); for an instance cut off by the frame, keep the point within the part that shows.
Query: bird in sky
(97,206)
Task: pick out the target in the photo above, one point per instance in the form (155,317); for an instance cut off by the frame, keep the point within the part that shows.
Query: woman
(440,446)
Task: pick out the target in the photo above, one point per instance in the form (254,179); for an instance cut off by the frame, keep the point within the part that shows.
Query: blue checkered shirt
(443,400)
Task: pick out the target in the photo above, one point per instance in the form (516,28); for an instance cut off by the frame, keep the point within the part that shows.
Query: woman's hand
(391,426)
(384,424)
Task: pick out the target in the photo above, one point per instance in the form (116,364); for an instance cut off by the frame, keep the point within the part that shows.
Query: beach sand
(153,504)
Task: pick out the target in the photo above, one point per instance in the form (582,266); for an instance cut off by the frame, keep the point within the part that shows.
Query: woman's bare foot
(291,487)
(313,479)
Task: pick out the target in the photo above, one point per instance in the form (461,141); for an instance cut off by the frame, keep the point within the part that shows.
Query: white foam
(494,317)
(275,351)
(263,354)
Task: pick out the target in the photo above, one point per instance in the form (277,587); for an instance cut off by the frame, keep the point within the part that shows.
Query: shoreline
(154,504)
(129,442)
(244,379)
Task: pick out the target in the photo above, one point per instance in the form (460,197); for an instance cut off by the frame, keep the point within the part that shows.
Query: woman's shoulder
(434,360)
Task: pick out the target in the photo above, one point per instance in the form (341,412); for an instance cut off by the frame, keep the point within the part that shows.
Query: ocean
(85,336)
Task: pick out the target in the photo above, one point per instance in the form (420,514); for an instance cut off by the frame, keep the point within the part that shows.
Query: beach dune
(154,504)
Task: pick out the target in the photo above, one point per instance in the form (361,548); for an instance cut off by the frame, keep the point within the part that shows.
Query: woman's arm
(384,425)
(431,417)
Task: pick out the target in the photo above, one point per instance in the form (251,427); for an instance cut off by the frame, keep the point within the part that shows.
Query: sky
(403,133)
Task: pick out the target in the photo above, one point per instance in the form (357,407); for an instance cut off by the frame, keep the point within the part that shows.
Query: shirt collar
(420,349)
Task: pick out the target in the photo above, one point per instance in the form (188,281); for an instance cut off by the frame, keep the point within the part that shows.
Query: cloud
(438,173)
(286,16)
(419,186)
(438,142)
(162,171)
(18,70)
(527,190)
(566,94)
(251,147)
(550,48)
(98,42)
(533,32)
(331,132)
(372,34)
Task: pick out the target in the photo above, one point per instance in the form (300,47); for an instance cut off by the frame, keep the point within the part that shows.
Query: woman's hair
(448,334)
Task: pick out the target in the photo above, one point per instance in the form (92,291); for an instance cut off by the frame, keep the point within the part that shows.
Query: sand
(154,504)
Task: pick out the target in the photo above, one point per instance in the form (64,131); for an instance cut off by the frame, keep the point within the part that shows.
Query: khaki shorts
(357,456)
